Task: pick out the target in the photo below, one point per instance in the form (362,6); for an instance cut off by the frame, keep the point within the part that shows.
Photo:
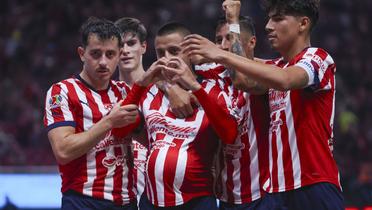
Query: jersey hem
(304,184)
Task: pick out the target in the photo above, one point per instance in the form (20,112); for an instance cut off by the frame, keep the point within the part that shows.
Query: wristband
(235,28)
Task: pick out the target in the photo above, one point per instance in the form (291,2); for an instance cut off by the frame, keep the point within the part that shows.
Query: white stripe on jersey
(280,161)
(254,163)
(236,173)
(296,165)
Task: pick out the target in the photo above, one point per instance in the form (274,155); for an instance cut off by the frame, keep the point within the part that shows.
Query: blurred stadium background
(38,41)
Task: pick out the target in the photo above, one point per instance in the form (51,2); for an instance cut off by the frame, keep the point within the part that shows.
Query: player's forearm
(73,145)
(223,123)
(267,75)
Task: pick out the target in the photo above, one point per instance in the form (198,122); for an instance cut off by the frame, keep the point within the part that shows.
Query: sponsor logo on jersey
(160,144)
(157,123)
(277,99)
(113,161)
(110,140)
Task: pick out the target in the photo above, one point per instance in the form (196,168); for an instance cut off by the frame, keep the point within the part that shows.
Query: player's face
(283,30)
(100,58)
(132,51)
(223,37)
(169,46)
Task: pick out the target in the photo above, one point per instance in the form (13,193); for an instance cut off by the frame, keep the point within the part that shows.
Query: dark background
(38,41)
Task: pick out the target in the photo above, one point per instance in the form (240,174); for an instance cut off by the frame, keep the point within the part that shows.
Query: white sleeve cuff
(309,69)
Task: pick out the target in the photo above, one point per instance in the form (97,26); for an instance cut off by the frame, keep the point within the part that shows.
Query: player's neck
(295,48)
(129,77)
(95,83)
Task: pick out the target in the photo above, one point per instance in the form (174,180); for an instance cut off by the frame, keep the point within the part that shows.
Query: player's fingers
(130,107)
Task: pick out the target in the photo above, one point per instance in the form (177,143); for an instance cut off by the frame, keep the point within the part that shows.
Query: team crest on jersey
(55,101)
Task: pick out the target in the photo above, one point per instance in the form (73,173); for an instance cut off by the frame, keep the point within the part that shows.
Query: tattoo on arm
(236,48)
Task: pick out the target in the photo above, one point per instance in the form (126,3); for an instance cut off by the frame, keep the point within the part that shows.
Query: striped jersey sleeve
(57,108)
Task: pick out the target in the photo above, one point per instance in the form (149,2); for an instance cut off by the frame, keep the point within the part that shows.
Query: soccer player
(303,172)
(130,66)
(131,69)
(81,113)
(244,163)
(182,151)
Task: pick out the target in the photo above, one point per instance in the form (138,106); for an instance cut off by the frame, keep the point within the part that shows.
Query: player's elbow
(62,157)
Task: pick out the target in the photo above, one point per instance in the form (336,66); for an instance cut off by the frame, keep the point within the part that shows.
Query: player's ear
(143,47)
(81,51)
(304,23)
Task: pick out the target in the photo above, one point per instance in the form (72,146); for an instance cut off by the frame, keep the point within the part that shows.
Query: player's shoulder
(61,84)
(317,53)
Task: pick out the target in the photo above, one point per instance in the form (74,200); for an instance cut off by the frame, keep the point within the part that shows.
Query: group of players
(205,121)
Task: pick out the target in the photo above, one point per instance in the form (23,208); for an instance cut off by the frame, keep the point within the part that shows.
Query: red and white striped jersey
(301,127)
(244,164)
(182,152)
(140,153)
(104,172)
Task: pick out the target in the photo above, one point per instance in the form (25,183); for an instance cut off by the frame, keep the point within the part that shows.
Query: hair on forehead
(246,24)
(132,25)
(173,27)
(102,28)
(308,8)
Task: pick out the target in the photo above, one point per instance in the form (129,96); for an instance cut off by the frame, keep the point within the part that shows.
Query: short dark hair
(308,8)
(246,24)
(173,27)
(103,28)
(132,25)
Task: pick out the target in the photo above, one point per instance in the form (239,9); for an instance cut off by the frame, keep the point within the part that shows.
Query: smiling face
(100,58)
(132,52)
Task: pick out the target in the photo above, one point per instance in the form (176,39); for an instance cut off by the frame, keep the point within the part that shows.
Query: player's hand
(121,116)
(180,101)
(196,45)
(178,71)
(154,73)
(232,10)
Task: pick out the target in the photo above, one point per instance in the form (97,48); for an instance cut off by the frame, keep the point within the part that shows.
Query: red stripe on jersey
(157,101)
(170,164)
(101,171)
(151,171)
(287,154)
(260,112)
(170,114)
(245,175)
(130,165)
